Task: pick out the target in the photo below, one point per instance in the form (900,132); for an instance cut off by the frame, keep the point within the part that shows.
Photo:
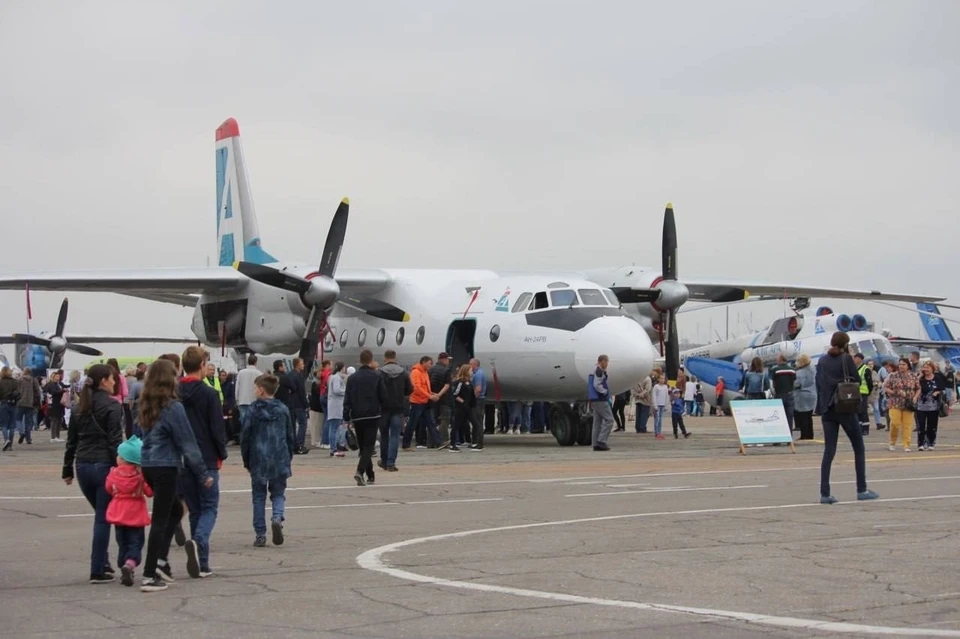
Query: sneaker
(454,449)
(931,447)
(165,572)
(260,541)
(476,448)
(205,572)
(359,479)
(179,536)
(601,447)
(906,450)
(152,584)
(419,447)
(8,445)
(658,436)
(277,528)
(867,494)
(407,449)
(892,448)
(370,479)
(126,575)
(922,447)
(324,446)
(108,570)
(381,464)
(687,434)
(829,500)
(102,578)
(392,469)
(193,558)
(339,453)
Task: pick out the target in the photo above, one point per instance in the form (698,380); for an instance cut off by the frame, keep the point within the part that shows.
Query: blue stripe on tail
(938,330)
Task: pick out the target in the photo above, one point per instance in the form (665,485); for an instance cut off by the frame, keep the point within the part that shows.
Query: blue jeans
(390,429)
(330,428)
(515,411)
(418,412)
(130,541)
(92,478)
(688,406)
(643,416)
(832,423)
(203,504)
(876,411)
(324,436)
(8,420)
(278,499)
(525,416)
(26,422)
(300,417)
(658,412)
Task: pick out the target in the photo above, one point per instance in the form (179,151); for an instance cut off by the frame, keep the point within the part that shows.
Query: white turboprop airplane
(538,335)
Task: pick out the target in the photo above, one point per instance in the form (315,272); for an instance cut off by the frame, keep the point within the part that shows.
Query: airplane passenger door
(460,337)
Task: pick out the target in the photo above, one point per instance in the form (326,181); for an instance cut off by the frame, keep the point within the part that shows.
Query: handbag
(944,406)
(846,399)
(65,399)
(351,438)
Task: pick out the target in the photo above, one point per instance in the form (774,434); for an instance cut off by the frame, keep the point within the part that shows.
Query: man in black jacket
(363,407)
(398,387)
(295,397)
(202,404)
(441,382)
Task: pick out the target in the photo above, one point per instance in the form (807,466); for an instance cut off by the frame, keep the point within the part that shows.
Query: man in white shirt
(245,389)
(689,396)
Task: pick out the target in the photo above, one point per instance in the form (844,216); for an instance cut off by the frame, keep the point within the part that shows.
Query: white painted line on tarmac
(654,491)
(915,524)
(386,503)
(454,501)
(373,560)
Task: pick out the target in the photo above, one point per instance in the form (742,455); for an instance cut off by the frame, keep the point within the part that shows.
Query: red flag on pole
(29,310)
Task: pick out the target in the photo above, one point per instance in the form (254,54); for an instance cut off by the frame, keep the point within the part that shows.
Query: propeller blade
(56,360)
(669,248)
(26,338)
(312,338)
(376,308)
(273,277)
(335,238)
(627,295)
(62,318)
(83,350)
(672,354)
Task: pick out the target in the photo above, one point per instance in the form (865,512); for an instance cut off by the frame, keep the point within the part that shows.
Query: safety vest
(864,389)
(215,386)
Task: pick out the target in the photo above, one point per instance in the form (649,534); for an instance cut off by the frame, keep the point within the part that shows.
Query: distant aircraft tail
(937,330)
(238,235)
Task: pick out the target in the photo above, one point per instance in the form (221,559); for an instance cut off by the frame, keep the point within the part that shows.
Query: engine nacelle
(844,323)
(859,322)
(824,310)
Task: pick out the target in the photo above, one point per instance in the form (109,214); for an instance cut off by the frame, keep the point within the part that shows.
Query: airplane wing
(112,339)
(923,343)
(176,285)
(719,290)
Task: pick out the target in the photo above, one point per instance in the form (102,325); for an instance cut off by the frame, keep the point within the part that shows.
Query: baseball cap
(443,355)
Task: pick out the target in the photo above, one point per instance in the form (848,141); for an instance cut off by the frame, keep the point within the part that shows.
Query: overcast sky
(800,142)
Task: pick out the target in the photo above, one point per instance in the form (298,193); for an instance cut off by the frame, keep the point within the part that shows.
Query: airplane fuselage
(537,336)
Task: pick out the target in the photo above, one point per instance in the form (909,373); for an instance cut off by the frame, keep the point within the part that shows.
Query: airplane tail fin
(238,235)
(937,330)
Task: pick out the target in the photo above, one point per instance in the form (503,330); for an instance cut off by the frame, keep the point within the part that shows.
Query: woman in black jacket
(834,367)
(95,432)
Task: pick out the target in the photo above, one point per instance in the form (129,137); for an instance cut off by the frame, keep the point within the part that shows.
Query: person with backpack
(838,396)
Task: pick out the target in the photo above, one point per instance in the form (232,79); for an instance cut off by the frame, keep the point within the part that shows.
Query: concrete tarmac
(674,538)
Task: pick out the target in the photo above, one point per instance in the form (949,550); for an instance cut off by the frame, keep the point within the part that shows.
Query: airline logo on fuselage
(818,328)
(503,304)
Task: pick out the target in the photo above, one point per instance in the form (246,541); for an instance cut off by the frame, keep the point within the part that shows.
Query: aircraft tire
(563,424)
(585,430)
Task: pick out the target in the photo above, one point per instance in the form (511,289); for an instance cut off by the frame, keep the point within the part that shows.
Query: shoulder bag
(846,399)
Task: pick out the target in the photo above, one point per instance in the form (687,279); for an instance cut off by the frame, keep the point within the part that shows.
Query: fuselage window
(381,334)
(539,301)
(521,304)
(420,333)
(883,347)
(592,297)
(563,298)
(343,338)
(361,337)
(867,349)
(611,297)
(400,334)
(495,332)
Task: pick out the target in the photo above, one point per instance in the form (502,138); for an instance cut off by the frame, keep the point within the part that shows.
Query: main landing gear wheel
(563,423)
(585,432)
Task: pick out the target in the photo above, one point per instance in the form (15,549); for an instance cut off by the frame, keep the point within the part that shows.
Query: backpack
(846,399)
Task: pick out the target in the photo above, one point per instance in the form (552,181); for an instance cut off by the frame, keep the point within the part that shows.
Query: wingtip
(406,317)
(229,129)
(346,201)
(670,205)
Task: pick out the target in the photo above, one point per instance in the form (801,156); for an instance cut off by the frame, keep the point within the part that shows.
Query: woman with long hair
(833,368)
(56,410)
(464,401)
(336,390)
(804,396)
(928,406)
(755,381)
(95,432)
(902,390)
(167,439)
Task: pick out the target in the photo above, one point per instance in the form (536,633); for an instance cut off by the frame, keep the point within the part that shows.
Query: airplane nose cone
(624,342)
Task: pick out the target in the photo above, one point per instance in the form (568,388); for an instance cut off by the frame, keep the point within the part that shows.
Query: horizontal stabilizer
(709,370)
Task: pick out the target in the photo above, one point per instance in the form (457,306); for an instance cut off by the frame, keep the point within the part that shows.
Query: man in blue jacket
(599,393)
(202,404)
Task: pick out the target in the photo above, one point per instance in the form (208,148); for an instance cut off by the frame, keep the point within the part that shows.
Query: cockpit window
(867,349)
(521,304)
(539,301)
(883,347)
(611,297)
(563,298)
(592,297)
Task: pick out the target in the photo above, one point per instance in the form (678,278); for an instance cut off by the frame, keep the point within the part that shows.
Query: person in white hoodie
(336,389)
(689,396)
(661,404)
(244,388)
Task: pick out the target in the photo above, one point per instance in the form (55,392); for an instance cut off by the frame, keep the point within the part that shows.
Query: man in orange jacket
(421,413)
